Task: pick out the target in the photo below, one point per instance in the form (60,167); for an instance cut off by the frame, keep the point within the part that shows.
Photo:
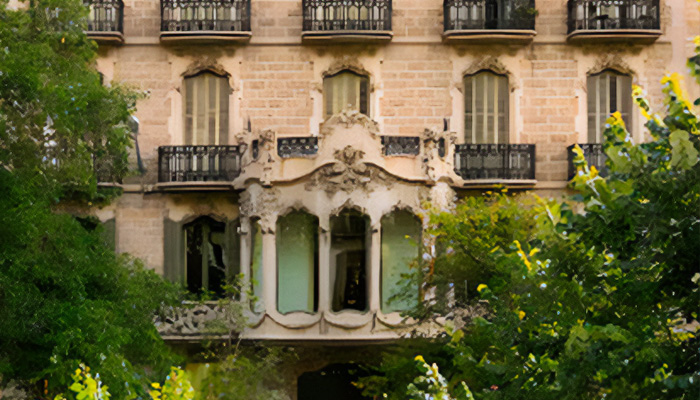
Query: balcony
(400,145)
(297,147)
(198,166)
(614,20)
(346,21)
(594,155)
(484,165)
(205,21)
(105,22)
(470,21)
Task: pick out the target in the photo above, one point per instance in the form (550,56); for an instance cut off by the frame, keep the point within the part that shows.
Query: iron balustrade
(613,14)
(401,145)
(489,14)
(495,161)
(198,163)
(105,16)
(594,155)
(347,15)
(297,147)
(205,15)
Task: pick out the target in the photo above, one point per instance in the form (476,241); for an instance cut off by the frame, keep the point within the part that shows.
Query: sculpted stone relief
(347,175)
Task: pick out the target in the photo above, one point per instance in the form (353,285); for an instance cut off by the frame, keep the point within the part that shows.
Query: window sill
(507,36)
(205,36)
(106,38)
(346,36)
(614,35)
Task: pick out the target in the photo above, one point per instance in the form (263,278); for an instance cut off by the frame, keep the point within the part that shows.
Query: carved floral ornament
(613,61)
(492,64)
(347,174)
(349,117)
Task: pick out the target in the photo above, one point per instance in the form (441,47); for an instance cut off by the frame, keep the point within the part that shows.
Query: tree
(65,296)
(548,303)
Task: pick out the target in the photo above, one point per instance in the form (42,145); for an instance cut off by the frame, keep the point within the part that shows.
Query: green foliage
(65,297)
(177,386)
(57,119)
(86,386)
(600,303)
(432,385)
(250,373)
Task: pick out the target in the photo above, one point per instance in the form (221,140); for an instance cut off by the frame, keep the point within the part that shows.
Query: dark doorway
(333,382)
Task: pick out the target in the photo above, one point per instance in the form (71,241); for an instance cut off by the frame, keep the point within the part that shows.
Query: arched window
(608,92)
(256,267)
(206,109)
(346,89)
(349,260)
(486,108)
(205,256)
(401,235)
(297,263)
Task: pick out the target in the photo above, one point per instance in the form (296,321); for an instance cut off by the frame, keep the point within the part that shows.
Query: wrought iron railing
(495,161)
(401,145)
(613,14)
(105,16)
(594,155)
(489,14)
(297,147)
(205,15)
(198,163)
(347,15)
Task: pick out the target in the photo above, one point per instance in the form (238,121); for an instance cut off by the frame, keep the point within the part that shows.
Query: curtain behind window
(486,109)
(206,110)
(608,92)
(345,90)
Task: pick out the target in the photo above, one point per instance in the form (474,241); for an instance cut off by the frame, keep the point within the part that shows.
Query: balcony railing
(489,15)
(209,18)
(198,163)
(297,147)
(495,161)
(347,17)
(601,15)
(105,19)
(594,155)
(401,145)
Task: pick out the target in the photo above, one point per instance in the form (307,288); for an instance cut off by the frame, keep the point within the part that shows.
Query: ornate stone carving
(494,65)
(348,174)
(195,321)
(205,63)
(257,201)
(436,144)
(349,117)
(346,63)
(612,61)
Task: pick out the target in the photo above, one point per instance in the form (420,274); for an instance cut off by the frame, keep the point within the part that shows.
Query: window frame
(222,109)
(622,97)
(363,97)
(482,126)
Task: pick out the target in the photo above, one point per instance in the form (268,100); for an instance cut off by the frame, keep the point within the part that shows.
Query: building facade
(299,143)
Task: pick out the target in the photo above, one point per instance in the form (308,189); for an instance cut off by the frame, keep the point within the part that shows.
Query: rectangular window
(206,110)
(297,263)
(345,90)
(486,109)
(608,92)
(256,267)
(401,233)
(349,261)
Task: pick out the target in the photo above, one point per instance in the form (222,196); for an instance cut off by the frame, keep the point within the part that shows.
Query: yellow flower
(419,358)
(521,315)
(481,287)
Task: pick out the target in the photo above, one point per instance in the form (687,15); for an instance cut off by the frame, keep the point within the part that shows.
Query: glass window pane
(346,90)
(206,110)
(401,233)
(349,260)
(256,268)
(297,259)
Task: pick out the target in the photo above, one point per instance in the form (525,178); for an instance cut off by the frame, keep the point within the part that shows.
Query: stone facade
(416,90)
